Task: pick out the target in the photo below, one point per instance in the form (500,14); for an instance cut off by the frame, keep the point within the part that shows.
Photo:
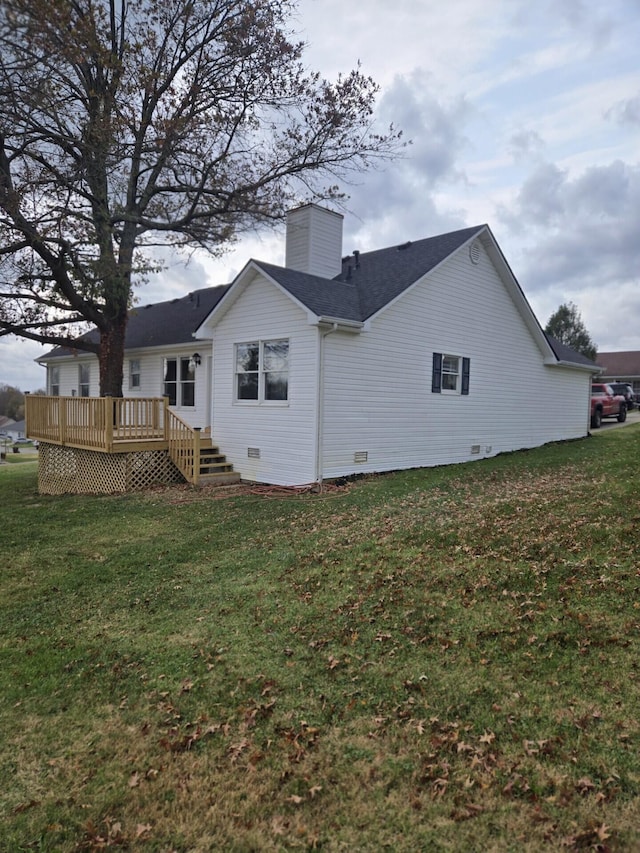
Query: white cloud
(523,115)
(17,366)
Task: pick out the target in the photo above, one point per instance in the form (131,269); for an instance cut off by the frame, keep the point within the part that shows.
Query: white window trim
(457,374)
(54,381)
(463,374)
(82,385)
(179,383)
(133,373)
(260,401)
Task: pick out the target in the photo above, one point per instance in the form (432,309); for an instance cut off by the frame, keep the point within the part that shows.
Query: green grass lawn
(444,659)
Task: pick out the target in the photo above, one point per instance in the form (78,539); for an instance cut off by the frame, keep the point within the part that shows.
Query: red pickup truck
(605,403)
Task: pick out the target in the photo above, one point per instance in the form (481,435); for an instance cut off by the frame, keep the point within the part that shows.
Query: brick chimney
(314,241)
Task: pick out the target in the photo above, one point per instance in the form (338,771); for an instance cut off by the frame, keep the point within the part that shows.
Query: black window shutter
(436,374)
(466,369)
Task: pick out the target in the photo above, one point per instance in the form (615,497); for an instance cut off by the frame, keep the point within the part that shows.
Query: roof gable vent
(475,252)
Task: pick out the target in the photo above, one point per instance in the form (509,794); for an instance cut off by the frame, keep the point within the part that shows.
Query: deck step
(223,478)
(214,467)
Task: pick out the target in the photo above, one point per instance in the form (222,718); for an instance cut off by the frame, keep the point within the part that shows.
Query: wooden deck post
(109,412)
(165,418)
(196,456)
(62,419)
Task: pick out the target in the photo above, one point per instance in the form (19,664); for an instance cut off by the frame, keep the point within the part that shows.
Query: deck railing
(95,423)
(184,447)
(115,425)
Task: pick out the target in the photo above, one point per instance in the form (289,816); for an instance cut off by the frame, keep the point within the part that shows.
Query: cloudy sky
(522,115)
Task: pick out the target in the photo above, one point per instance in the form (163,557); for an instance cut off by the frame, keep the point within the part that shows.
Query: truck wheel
(596,419)
(623,415)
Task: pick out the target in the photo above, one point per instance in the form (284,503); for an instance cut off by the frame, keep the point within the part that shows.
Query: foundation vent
(253,452)
(361,456)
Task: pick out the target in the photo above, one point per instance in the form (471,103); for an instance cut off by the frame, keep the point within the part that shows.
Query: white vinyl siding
(151,364)
(270,443)
(514,400)
(76,376)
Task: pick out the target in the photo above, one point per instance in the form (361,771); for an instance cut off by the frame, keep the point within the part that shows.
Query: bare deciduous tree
(126,124)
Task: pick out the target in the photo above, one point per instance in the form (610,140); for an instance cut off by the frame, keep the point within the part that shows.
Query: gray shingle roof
(379,277)
(360,291)
(172,322)
(162,323)
(565,353)
(325,297)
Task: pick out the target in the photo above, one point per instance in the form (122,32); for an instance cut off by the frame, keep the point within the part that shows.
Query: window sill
(270,404)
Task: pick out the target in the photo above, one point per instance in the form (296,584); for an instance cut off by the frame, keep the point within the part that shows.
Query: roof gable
(373,280)
(323,297)
(363,288)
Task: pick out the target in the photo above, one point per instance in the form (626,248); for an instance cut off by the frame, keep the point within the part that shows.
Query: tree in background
(567,327)
(11,402)
(128,124)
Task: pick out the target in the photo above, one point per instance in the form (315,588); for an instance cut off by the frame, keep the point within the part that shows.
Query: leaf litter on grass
(425,661)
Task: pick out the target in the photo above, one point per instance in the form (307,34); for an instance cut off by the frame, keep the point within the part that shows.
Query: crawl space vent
(475,252)
(360,456)
(253,452)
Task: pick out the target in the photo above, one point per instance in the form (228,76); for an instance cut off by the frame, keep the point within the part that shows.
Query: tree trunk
(112,358)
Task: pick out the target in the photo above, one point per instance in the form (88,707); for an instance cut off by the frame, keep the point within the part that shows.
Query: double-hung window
(180,382)
(450,374)
(83,379)
(134,373)
(262,371)
(54,381)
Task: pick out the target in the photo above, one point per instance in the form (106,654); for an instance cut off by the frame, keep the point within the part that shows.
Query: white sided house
(422,354)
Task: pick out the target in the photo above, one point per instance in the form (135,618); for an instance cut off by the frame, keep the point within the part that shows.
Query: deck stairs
(214,467)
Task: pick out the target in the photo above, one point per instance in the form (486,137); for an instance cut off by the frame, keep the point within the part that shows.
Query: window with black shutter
(450,374)
(436,375)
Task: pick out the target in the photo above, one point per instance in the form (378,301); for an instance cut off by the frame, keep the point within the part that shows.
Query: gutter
(574,365)
(335,323)
(320,400)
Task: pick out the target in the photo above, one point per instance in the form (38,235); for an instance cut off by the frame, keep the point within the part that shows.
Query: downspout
(320,404)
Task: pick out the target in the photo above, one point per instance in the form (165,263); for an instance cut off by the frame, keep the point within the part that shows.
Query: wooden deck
(125,425)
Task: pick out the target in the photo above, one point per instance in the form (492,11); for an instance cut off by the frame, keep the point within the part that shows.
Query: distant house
(621,367)
(424,353)
(15,430)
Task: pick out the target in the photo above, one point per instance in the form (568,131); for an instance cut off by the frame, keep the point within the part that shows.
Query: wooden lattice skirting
(68,470)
